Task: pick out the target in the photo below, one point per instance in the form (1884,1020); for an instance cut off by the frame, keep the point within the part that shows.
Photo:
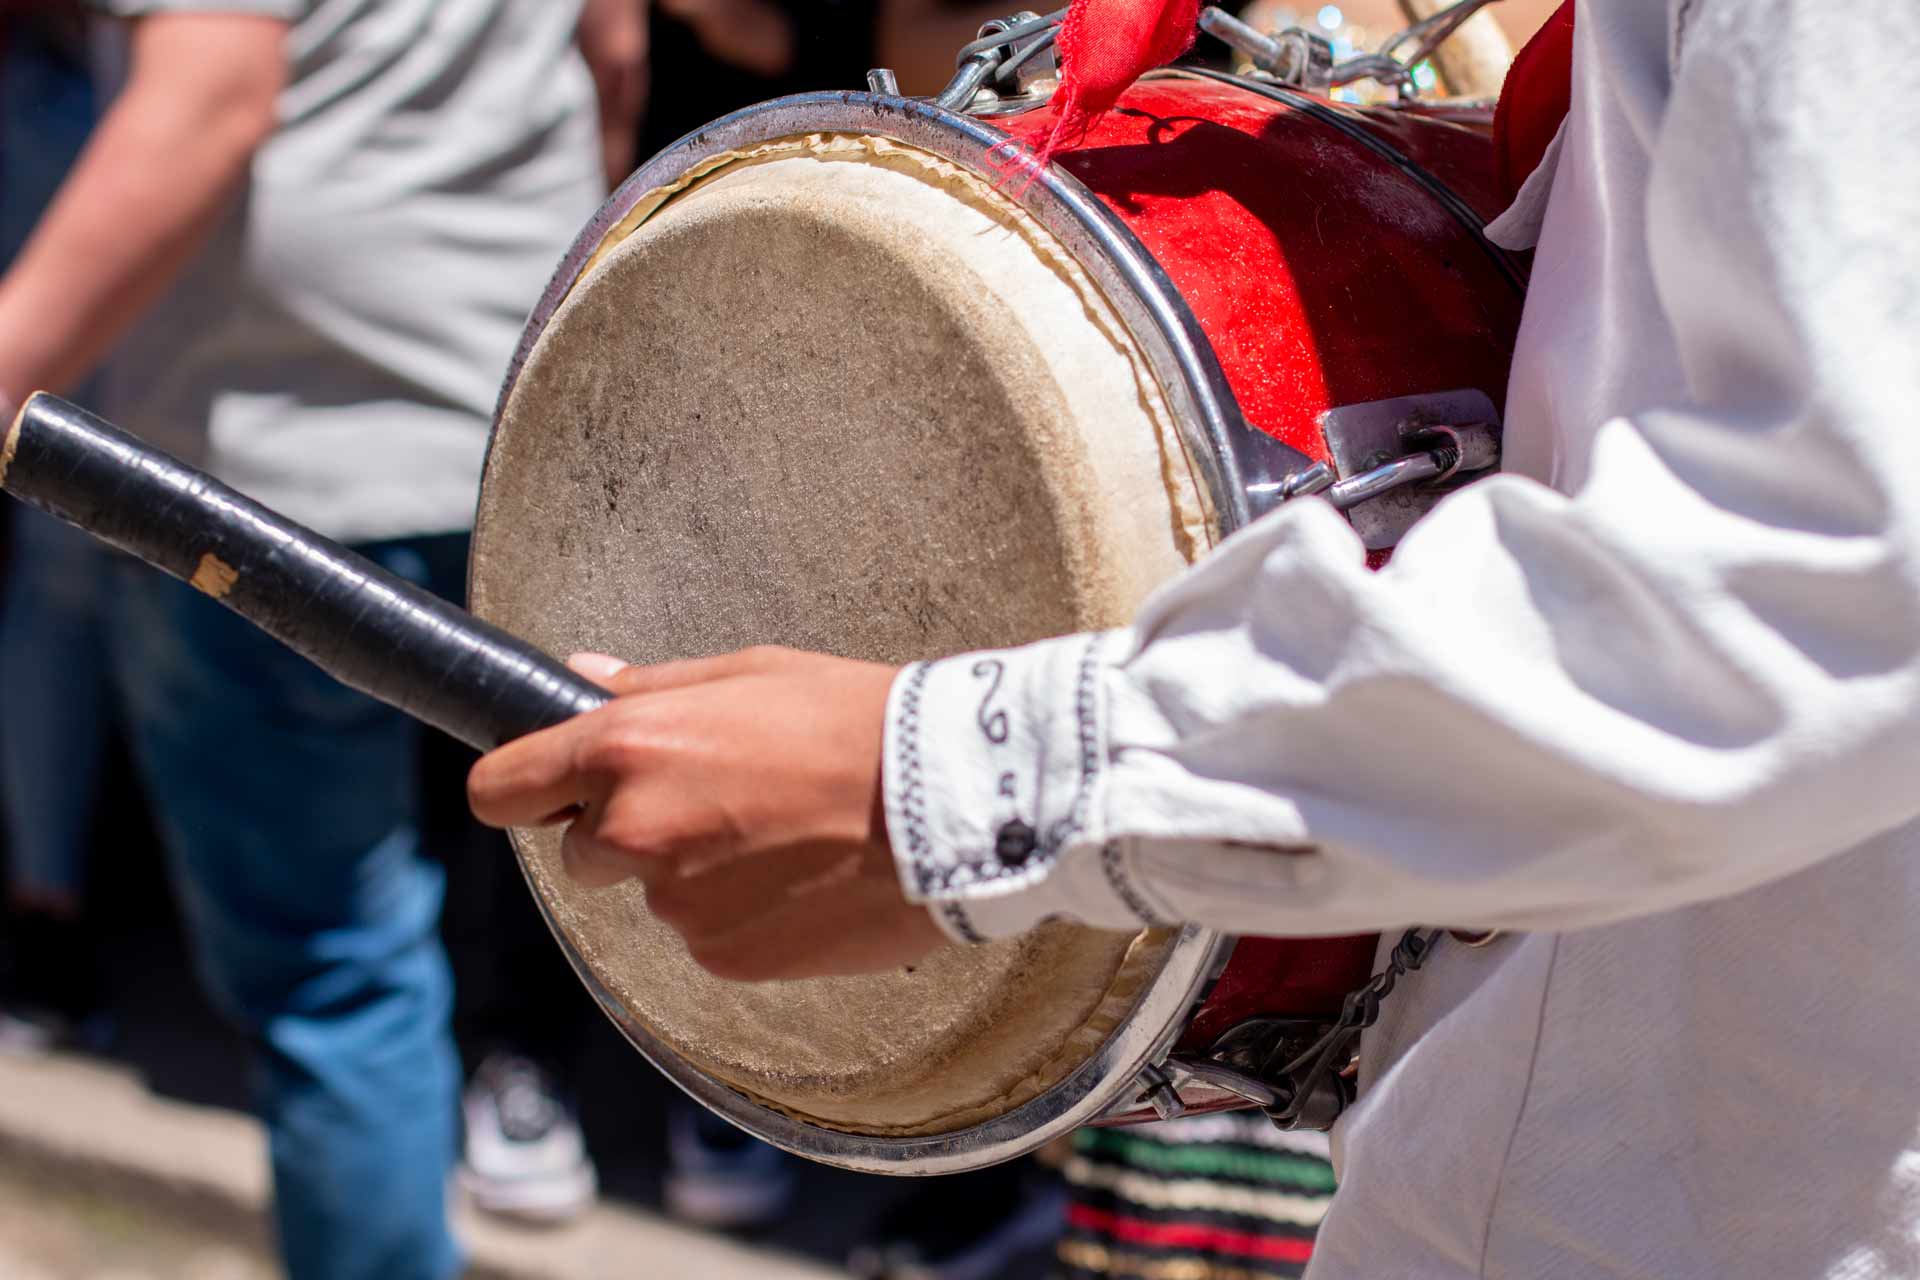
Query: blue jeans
(289,808)
(46,111)
(55,685)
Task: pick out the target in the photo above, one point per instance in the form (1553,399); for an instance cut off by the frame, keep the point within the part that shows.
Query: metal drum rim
(1215,434)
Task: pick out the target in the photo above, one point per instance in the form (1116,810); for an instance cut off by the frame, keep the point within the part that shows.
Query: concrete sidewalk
(82,1133)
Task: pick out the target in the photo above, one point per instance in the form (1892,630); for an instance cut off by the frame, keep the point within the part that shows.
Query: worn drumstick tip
(13,437)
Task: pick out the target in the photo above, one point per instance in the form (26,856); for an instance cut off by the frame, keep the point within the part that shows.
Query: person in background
(53,737)
(521,1013)
(308,232)
(1675,638)
(1216,1197)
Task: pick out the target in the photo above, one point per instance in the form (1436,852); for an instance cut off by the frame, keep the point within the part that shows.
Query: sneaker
(525,1157)
(29,1032)
(33,1032)
(721,1178)
(966,1227)
(50,988)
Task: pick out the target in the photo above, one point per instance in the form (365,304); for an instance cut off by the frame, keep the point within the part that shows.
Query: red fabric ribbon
(1104,46)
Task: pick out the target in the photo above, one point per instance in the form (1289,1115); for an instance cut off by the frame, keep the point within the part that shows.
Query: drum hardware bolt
(1229,1079)
(1304,58)
(1441,453)
(1309,480)
(1298,1071)
(1260,1045)
(1295,56)
(1015,54)
(1445,444)
(1377,66)
(1157,1091)
(1437,453)
(1000,33)
(882,81)
(967,82)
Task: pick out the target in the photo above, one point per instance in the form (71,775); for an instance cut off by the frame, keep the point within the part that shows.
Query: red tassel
(1104,46)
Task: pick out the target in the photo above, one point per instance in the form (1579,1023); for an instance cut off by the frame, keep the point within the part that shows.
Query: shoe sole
(723,1205)
(546,1202)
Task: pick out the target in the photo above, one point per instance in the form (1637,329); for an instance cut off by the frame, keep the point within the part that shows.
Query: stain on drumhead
(792,409)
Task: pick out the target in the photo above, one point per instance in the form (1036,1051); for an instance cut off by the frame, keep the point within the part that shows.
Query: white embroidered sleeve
(1680,661)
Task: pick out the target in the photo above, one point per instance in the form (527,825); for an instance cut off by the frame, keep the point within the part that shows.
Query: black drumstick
(360,624)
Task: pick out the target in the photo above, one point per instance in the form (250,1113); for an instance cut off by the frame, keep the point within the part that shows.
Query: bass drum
(824,375)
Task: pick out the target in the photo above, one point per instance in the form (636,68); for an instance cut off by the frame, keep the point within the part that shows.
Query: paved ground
(144,1157)
(102,1180)
(58,1232)
(141,1164)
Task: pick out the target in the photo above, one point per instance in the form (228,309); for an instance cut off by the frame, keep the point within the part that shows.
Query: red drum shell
(1322,256)
(1323,274)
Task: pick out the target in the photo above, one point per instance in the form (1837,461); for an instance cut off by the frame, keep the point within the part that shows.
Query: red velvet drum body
(1322,274)
(837,372)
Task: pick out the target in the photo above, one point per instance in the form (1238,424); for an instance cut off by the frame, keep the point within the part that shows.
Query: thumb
(598,667)
(629,678)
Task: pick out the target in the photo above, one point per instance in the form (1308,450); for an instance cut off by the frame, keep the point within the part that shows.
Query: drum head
(836,393)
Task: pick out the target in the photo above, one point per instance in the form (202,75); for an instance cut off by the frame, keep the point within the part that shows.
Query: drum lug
(1011,68)
(1257,1051)
(1242,1069)
(1392,460)
(1296,56)
(1158,1091)
(1304,59)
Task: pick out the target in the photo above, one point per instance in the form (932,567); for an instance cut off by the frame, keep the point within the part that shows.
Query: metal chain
(1310,1074)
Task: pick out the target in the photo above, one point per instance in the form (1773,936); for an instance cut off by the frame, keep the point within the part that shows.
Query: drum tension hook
(1299,1071)
(1010,67)
(1435,454)
(1304,58)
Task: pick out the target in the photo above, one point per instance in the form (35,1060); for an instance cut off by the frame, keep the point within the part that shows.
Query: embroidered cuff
(992,765)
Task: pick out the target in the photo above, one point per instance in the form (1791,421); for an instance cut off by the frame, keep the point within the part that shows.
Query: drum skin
(1322,277)
(1329,255)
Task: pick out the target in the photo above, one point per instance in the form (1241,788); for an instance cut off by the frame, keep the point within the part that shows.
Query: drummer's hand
(744,793)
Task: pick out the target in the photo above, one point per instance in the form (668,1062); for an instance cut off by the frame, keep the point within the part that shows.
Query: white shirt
(1650,700)
(336,349)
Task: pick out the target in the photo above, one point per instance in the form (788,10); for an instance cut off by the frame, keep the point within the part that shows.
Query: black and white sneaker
(969,1226)
(50,986)
(525,1157)
(721,1178)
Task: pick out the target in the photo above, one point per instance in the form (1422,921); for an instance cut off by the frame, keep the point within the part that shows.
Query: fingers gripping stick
(362,625)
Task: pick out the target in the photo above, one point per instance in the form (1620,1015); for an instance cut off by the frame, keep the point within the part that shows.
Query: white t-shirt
(1650,700)
(336,350)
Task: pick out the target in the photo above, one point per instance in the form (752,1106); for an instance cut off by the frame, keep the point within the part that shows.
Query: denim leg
(54,686)
(288,803)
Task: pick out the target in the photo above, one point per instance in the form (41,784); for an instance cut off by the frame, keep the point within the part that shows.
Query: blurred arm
(613,39)
(750,34)
(919,38)
(149,188)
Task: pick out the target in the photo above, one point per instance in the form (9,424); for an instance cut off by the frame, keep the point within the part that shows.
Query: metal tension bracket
(1298,1071)
(1391,460)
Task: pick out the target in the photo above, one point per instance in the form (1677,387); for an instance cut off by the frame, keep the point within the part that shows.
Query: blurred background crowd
(294,241)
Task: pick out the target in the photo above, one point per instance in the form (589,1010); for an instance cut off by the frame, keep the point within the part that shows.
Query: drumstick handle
(360,624)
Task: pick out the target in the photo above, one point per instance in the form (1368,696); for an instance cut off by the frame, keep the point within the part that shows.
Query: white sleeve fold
(1696,671)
